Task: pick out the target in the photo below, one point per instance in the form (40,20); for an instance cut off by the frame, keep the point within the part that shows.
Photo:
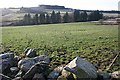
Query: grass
(63,42)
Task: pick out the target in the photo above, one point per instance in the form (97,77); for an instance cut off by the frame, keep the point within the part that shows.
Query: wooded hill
(13,15)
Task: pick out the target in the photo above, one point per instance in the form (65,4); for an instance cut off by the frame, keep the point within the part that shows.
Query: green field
(63,42)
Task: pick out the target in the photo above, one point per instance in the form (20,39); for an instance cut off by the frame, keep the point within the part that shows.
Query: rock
(81,68)
(30,53)
(31,72)
(66,77)
(116,75)
(17,58)
(38,77)
(44,58)
(7,56)
(37,68)
(26,50)
(55,73)
(104,76)
(19,74)
(17,78)
(61,78)
(27,63)
(3,77)
(7,60)
(14,69)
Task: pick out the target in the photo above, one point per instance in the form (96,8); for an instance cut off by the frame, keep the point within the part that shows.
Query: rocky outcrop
(27,63)
(39,68)
(6,61)
(81,68)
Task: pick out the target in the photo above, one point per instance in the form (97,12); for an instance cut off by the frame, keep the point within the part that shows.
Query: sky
(75,4)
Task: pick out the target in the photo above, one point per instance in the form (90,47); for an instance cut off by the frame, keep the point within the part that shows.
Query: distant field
(95,43)
(13,15)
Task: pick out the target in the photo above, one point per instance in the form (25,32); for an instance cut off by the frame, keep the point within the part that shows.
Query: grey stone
(27,63)
(19,74)
(116,75)
(31,72)
(31,53)
(17,78)
(81,68)
(6,61)
(66,77)
(38,77)
(104,76)
(4,77)
(44,58)
(37,68)
(55,73)
(17,58)
(14,69)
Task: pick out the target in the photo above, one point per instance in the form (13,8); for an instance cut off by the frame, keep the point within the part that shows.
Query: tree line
(45,18)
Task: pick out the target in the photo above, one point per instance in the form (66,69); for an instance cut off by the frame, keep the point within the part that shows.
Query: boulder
(55,73)
(66,77)
(6,61)
(81,68)
(31,72)
(17,58)
(30,53)
(44,58)
(14,69)
(37,68)
(4,77)
(19,74)
(116,75)
(38,77)
(27,63)
(104,76)
(17,78)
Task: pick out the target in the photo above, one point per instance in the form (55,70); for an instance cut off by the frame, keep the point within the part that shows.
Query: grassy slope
(96,43)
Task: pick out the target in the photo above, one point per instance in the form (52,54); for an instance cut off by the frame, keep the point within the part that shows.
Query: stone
(17,78)
(31,72)
(81,68)
(14,69)
(4,77)
(27,63)
(61,78)
(26,50)
(17,58)
(19,74)
(44,58)
(31,53)
(116,75)
(6,61)
(55,73)
(104,76)
(66,77)
(37,68)
(38,76)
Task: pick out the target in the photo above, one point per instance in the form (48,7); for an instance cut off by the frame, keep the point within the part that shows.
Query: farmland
(63,42)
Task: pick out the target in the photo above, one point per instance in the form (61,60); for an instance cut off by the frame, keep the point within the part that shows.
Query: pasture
(63,42)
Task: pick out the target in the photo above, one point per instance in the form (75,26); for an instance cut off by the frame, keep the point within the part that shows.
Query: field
(63,42)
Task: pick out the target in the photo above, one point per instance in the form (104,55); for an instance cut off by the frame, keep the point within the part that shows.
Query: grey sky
(76,4)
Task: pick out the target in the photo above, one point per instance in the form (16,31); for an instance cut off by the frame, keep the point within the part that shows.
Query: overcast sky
(76,4)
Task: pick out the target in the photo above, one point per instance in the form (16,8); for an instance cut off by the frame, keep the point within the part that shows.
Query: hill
(12,15)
